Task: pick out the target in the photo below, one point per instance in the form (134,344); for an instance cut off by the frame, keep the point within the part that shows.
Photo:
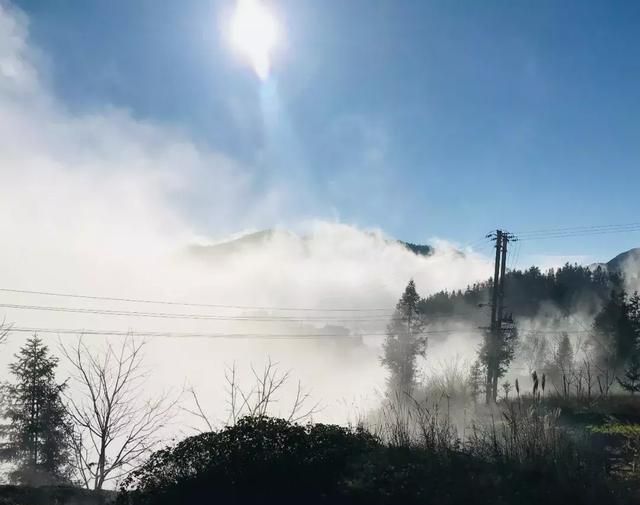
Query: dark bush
(258,459)
(264,460)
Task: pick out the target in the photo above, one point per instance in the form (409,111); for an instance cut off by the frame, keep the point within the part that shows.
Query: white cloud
(95,203)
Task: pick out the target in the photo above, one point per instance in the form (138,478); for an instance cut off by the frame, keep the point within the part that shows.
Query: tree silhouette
(404,342)
(568,288)
(114,428)
(38,428)
(617,329)
(631,379)
(476,379)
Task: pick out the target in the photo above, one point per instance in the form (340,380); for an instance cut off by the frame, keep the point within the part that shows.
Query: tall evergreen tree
(633,310)
(561,364)
(405,341)
(498,352)
(476,379)
(37,430)
(563,355)
(630,381)
(617,329)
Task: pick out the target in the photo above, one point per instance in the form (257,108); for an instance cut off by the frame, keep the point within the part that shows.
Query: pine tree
(563,356)
(476,379)
(37,431)
(616,331)
(633,312)
(631,379)
(561,363)
(500,350)
(404,342)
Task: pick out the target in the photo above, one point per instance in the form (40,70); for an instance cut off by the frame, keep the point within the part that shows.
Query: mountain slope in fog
(330,265)
(623,261)
(256,240)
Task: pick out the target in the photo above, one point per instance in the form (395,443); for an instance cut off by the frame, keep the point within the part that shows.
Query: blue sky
(422,118)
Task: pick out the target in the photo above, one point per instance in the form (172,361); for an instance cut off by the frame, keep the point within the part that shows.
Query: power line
(578,228)
(190,304)
(205,317)
(238,336)
(516,256)
(574,235)
(161,334)
(169,315)
(551,332)
(478,244)
(579,232)
(483,245)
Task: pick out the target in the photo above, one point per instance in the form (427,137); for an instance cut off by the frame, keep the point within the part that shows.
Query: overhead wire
(170,315)
(579,228)
(480,243)
(202,317)
(239,336)
(578,232)
(190,304)
(516,257)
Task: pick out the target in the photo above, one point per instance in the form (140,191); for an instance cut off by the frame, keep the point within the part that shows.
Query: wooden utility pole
(491,354)
(495,335)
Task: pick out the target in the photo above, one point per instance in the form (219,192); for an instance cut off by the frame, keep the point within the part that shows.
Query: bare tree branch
(113,427)
(199,412)
(259,400)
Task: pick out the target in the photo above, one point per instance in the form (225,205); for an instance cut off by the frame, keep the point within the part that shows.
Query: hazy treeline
(570,288)
(605,348)
(596,356)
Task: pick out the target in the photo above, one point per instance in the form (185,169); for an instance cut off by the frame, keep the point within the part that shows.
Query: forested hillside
(569,288)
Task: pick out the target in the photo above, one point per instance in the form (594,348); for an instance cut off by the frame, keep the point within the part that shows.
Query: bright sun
(254,34)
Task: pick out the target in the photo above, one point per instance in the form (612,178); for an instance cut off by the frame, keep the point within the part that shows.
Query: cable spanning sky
(421,118)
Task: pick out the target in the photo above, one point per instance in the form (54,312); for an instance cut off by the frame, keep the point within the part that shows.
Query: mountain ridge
(262,237)
(247,241)
(620,261)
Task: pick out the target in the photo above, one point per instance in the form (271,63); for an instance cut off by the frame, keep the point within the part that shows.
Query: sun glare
(254,34)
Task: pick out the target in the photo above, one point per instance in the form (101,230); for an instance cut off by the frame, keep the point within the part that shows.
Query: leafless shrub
(260,399)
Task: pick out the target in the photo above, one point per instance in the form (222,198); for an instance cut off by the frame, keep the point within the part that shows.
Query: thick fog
(98,202)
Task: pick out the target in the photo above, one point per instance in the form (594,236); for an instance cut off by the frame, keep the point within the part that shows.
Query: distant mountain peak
(620,263)
(260,238)
(625,259)
(419,249)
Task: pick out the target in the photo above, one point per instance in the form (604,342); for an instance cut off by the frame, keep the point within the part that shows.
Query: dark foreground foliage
(264,460)
(48,495)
